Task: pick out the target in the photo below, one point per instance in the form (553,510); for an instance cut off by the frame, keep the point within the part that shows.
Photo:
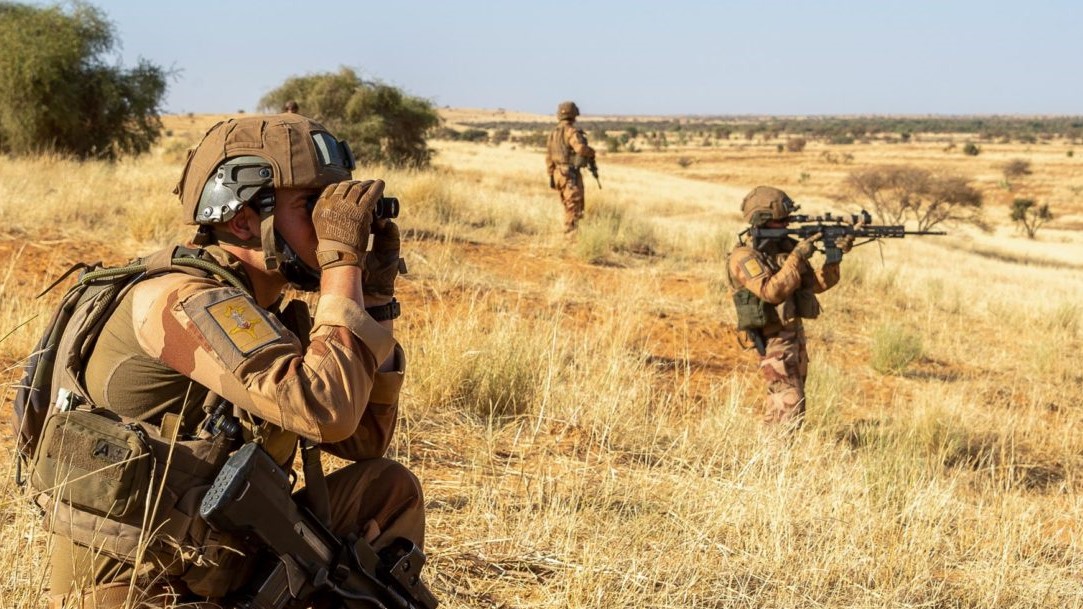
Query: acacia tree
(381,123)
(898,192)
(60,91)
(1028,215)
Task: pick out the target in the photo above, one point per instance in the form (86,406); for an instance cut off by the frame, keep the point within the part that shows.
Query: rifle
(832,228)
(251,497)
(592,165)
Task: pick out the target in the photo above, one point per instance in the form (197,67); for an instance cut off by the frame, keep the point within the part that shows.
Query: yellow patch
(752,267)
(243,325)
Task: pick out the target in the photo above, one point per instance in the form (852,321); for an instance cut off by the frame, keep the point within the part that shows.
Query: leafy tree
(381,123)
(897,192)
(1029,216)
(60,91)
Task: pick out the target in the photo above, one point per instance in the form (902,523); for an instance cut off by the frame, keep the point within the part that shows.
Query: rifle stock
(251,497)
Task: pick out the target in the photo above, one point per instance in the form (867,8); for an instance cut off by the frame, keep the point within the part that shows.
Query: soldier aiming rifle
(775,286)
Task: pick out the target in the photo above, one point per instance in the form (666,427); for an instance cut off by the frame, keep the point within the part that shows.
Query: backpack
(70,336)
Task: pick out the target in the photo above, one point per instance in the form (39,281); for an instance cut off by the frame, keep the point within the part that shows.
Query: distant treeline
(834,129)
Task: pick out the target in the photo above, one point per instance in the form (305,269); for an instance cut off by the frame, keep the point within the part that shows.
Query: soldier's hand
(383,264)
(806,247)
(846,244)
(343,217)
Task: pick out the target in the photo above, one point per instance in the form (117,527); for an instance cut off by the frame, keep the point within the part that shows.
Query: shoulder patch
(751,267)
(232,324)
(244,324)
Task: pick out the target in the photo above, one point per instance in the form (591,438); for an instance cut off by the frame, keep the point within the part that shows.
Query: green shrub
(1029,216)
(61,91)
(381,123)
(894,348)
(474,135)
(971,149)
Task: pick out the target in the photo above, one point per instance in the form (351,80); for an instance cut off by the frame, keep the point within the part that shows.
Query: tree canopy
(59,93)
(381,123)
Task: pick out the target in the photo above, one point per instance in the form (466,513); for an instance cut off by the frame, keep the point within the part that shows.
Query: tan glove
(342,217)
(846,244)
(383,264)
(806,247)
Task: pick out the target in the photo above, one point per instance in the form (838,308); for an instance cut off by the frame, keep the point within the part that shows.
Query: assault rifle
(832,228)
(592,165)
(251,497)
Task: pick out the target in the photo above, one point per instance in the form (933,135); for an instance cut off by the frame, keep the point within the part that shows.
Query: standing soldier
(774,288)
(291,107)
(198,355)
(566,154)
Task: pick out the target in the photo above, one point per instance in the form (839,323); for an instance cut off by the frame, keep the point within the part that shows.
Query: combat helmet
(766,203)
(240,162)
(567,110)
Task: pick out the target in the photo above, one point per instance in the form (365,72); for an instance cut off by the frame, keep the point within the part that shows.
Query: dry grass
(585,426)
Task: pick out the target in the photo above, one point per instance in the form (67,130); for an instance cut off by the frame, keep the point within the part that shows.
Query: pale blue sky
(630,56)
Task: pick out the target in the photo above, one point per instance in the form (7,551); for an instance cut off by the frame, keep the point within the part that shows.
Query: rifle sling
(316,494)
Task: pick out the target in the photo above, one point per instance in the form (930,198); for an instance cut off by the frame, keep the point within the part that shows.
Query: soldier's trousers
(785,367)
(377,498)
(569,182)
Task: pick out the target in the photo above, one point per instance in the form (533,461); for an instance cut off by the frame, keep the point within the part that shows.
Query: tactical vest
(754,313)
(558,150)
(125,487)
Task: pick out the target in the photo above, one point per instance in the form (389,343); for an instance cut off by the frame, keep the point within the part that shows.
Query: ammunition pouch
(94,463)
(753,313)
(117,486)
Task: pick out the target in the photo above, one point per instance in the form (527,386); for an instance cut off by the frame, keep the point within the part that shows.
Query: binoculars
(386,207)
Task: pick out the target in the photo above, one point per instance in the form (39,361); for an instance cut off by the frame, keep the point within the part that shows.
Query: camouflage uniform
(176,338)
(567,152)
(786,284)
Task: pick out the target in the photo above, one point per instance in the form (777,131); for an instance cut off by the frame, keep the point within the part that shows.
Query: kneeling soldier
(197,356)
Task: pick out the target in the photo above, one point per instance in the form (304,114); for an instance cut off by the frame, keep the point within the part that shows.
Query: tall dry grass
(587,435)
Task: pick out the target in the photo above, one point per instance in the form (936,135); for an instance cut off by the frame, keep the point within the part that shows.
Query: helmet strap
(267,238)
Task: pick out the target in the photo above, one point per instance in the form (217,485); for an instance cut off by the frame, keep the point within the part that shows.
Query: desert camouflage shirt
(776,277)
(175,336)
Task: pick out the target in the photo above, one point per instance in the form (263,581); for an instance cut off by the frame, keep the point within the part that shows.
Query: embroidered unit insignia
(242,324)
